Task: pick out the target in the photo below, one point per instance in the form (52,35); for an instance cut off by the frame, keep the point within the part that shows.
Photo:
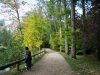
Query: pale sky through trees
(23,8)
(31,5)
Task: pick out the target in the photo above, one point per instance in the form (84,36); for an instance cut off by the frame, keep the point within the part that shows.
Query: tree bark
(60,26)
(18,17)
(83,7)
(73,51)
(83,26)
(66,27)
(60,39)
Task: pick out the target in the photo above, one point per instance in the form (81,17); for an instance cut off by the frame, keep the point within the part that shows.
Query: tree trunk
(73,51)
(66,27)
(66,41)
(83,24)
(54,21)
(17,12)
(50,40)
(83,7)
(60,26)
(60,39)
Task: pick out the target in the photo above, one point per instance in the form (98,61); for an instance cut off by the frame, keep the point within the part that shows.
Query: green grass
(22,66)
(83,65)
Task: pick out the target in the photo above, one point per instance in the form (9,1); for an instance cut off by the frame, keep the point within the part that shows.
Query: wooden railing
(18,63)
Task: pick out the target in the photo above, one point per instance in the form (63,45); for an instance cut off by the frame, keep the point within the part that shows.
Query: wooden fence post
(18,66)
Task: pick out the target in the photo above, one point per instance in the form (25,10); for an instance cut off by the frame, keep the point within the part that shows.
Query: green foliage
(34,28)
(39,28)
(17,49)
(11,47)
(55,41)
(5,38)
(3,55)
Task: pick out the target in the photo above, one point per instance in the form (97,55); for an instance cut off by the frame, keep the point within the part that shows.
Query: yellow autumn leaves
(33,29)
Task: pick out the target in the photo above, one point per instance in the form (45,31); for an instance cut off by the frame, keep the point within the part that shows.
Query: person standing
(28,58)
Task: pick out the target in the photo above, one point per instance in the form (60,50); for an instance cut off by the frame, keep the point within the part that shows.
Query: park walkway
(51,64)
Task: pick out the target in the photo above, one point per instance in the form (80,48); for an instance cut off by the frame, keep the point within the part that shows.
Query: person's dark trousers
(28,65)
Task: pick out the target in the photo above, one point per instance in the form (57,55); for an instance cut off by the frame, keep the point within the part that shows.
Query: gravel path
(51,64)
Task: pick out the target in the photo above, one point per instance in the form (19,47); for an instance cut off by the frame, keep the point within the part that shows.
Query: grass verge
(83,65)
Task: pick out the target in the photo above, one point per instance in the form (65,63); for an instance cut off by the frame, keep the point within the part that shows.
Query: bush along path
(51,64)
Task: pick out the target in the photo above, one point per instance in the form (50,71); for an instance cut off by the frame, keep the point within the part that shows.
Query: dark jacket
(28,56)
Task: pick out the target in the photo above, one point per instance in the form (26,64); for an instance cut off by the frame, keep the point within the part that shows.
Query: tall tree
(73,50)
(83,8)
(83,23)
(51,17)
(18,17)
(60,28)
(34,29)
(66,27)
(14,5)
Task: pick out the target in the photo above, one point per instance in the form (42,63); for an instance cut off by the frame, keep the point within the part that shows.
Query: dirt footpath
(51,64)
